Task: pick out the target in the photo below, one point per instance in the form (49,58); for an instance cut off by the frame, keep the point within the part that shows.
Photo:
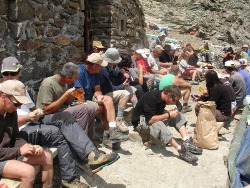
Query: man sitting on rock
(16,156)
(89,80)
(173,78)
(58,130)
(152,106)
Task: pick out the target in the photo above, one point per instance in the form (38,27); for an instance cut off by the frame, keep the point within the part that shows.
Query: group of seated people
(68,102)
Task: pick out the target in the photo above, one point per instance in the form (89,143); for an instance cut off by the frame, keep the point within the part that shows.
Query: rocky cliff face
(222,22)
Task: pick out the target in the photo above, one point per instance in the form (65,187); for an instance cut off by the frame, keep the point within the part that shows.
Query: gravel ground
(159,166)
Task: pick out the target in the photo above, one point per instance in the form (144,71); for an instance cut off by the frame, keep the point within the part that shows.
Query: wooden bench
(12,183)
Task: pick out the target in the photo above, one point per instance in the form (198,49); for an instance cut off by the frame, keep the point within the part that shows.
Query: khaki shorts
(117,95)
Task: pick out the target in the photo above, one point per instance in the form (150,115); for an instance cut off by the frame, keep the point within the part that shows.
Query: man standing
(173,79)
(152,106)
(16,156)
(89,80)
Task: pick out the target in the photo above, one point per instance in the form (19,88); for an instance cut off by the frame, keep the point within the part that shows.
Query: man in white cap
(238,83)
(16,155)
(89,80)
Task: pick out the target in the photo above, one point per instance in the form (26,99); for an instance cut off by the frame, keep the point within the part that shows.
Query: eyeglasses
(10,73)
(174,99)
(16,104)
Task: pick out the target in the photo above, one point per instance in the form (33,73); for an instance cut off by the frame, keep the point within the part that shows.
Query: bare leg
(183,131)
(19,170)
(46,163)
(173,143)
(186,94)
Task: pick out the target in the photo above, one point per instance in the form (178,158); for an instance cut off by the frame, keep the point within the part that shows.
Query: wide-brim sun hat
(112,55)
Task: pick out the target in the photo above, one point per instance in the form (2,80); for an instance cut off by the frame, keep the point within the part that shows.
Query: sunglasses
(10,73)
(16,104)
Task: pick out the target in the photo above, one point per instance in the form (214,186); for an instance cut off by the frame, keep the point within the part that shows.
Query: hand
(125,83)
(35,115)
(173,113)
(38,150)
(100,98)
(27,149)
(71,91)
(126,75)
(205,93)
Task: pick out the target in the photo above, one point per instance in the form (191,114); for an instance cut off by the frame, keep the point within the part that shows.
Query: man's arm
(166,64)
(166,115)
(66,98)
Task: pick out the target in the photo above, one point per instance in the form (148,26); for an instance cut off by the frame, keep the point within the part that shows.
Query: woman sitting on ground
(219,93)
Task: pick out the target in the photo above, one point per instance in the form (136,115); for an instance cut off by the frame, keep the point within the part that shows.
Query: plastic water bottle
(142,120)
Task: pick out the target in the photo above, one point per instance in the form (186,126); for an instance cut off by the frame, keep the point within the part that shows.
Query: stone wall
(42,34)
(118,23)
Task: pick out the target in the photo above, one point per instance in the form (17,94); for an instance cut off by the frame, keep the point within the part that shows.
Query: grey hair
(69,69)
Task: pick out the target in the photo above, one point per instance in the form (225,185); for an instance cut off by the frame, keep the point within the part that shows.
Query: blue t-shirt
(247,80)
(86,81)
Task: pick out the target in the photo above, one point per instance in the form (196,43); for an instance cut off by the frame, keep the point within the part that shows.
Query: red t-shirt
(144,64)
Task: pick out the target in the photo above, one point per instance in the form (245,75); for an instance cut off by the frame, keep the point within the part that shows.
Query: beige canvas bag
(205,133)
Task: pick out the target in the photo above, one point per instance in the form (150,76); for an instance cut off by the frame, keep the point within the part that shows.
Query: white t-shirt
(24,110)
(153,61)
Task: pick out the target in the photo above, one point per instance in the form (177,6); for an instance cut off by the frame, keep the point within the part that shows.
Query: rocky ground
(159,166)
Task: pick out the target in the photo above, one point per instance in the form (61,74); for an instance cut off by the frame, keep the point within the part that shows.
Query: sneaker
(98,160)
(116,135)
(191,147)
(109,143)
(194,82)
(76,183)
(121,125)
(179,106)
(186,155)
(186,109)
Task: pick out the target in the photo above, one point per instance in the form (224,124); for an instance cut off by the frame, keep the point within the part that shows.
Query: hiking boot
(109,143)
(186,155)
(116,135)
(98,160)
(194,82)
(75,183)
(186,109)
(191,147)
(122,125)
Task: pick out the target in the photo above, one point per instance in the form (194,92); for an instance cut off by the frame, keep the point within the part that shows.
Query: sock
(106,131)
(185,138)
(112,124)
(179,147)
(120,111)
(134,102)
(185,104)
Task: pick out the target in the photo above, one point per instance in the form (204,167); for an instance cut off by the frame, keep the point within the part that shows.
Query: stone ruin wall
(118,23)
(42,34)
(45,34)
